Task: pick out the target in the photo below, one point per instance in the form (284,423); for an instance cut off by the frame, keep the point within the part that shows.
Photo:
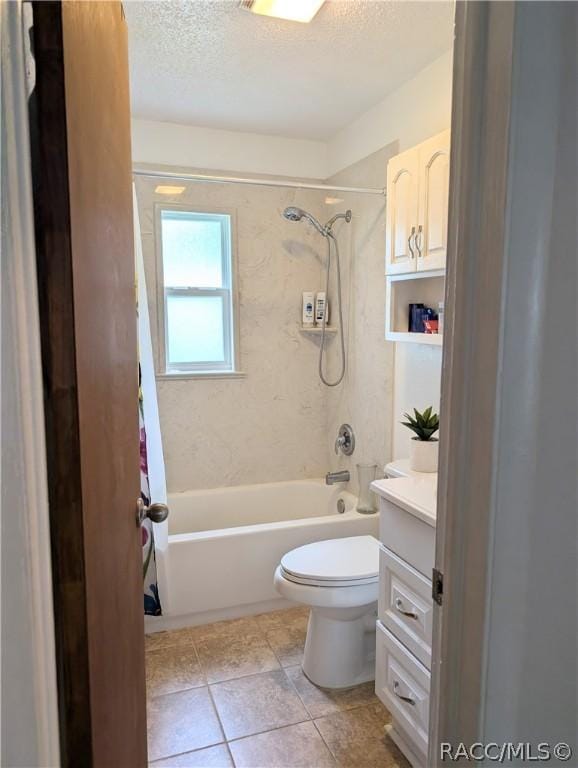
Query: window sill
(180,375)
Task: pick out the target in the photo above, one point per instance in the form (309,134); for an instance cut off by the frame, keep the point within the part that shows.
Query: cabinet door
(402,210)
(434,175)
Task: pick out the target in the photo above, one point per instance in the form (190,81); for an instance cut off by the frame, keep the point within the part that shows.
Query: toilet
(338,580)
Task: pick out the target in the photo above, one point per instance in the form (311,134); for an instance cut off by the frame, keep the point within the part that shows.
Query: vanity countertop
(416,495)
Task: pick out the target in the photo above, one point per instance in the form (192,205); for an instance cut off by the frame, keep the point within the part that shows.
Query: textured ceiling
(209,63)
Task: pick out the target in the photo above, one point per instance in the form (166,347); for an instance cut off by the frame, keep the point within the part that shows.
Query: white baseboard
(164,623)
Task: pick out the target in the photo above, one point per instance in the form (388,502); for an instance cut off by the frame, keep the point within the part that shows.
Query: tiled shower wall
(272,423)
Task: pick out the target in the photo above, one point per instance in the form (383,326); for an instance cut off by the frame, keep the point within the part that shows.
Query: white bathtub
(225,544)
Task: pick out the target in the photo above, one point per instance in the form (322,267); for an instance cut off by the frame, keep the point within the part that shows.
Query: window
(196,268)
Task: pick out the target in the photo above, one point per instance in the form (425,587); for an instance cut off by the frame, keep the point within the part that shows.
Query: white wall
(415,111)
(186,145)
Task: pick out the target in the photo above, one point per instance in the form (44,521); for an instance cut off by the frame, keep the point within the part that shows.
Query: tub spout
(337,477)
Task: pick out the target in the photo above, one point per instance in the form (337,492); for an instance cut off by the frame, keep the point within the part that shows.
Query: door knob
(158,513)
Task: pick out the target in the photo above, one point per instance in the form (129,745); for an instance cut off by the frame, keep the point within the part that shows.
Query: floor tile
(227,657)
(296,746)
(211,757)
(288,644)
(289,617)
(173,668)
(246,625)
(321,701)
(181,722)
(258,703)
(356,738)
(157,640)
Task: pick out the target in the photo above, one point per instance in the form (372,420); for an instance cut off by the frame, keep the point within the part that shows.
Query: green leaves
(425,424)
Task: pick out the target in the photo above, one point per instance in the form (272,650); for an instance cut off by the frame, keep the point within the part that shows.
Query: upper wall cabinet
(402,211)
(417,207)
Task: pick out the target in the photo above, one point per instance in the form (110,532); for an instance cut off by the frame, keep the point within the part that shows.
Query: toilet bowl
(338,580)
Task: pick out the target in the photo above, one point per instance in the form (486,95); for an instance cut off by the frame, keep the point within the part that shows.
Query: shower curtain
(152,603)
(152,468)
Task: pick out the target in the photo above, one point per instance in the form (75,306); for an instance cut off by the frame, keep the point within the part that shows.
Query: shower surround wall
(365,398)
(270,424)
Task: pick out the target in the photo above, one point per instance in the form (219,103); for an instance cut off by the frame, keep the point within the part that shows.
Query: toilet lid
(336,562)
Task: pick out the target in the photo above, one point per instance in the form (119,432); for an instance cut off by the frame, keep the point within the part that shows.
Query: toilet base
(340,652)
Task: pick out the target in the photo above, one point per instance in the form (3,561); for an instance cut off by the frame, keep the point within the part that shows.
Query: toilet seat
(347,562)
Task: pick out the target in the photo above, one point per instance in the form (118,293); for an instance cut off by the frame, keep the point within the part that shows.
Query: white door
(402,211)
(432,229)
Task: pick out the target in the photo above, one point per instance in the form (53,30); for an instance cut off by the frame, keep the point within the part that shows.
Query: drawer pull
(401,609)
(407,699)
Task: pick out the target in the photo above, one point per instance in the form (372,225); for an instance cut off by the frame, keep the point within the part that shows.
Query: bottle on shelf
(308,314)
(321,309)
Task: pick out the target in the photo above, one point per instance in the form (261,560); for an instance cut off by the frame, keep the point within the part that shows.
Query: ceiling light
(292,10)
(163,189)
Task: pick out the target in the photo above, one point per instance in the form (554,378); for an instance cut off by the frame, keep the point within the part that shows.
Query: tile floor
(232,694)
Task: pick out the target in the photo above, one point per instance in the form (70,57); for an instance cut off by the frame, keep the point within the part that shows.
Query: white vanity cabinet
(405,609)
(417,207)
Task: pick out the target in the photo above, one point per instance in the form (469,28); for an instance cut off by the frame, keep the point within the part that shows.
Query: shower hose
(339,379)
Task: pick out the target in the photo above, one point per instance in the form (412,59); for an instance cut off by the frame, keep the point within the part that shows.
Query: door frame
(29,696)
(481,99)
(511,254)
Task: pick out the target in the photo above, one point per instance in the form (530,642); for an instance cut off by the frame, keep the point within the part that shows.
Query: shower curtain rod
(259,182)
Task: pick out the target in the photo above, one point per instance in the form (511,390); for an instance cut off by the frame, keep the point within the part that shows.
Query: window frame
(204,369)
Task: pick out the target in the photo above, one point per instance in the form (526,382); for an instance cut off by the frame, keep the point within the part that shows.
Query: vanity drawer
(403,685)
(405,604)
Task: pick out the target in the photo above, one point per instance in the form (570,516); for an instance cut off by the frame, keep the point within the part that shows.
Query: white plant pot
(423,455)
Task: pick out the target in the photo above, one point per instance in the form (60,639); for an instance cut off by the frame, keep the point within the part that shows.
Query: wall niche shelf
(316,330)
(434,339)
(404,289)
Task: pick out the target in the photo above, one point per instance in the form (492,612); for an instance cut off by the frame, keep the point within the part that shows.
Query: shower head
(293,213)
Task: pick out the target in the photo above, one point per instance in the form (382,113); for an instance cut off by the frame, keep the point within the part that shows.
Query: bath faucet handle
(345,440)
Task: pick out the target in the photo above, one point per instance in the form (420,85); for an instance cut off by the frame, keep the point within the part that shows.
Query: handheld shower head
(292,213)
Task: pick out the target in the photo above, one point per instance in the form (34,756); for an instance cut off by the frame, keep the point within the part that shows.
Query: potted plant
(423,452)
